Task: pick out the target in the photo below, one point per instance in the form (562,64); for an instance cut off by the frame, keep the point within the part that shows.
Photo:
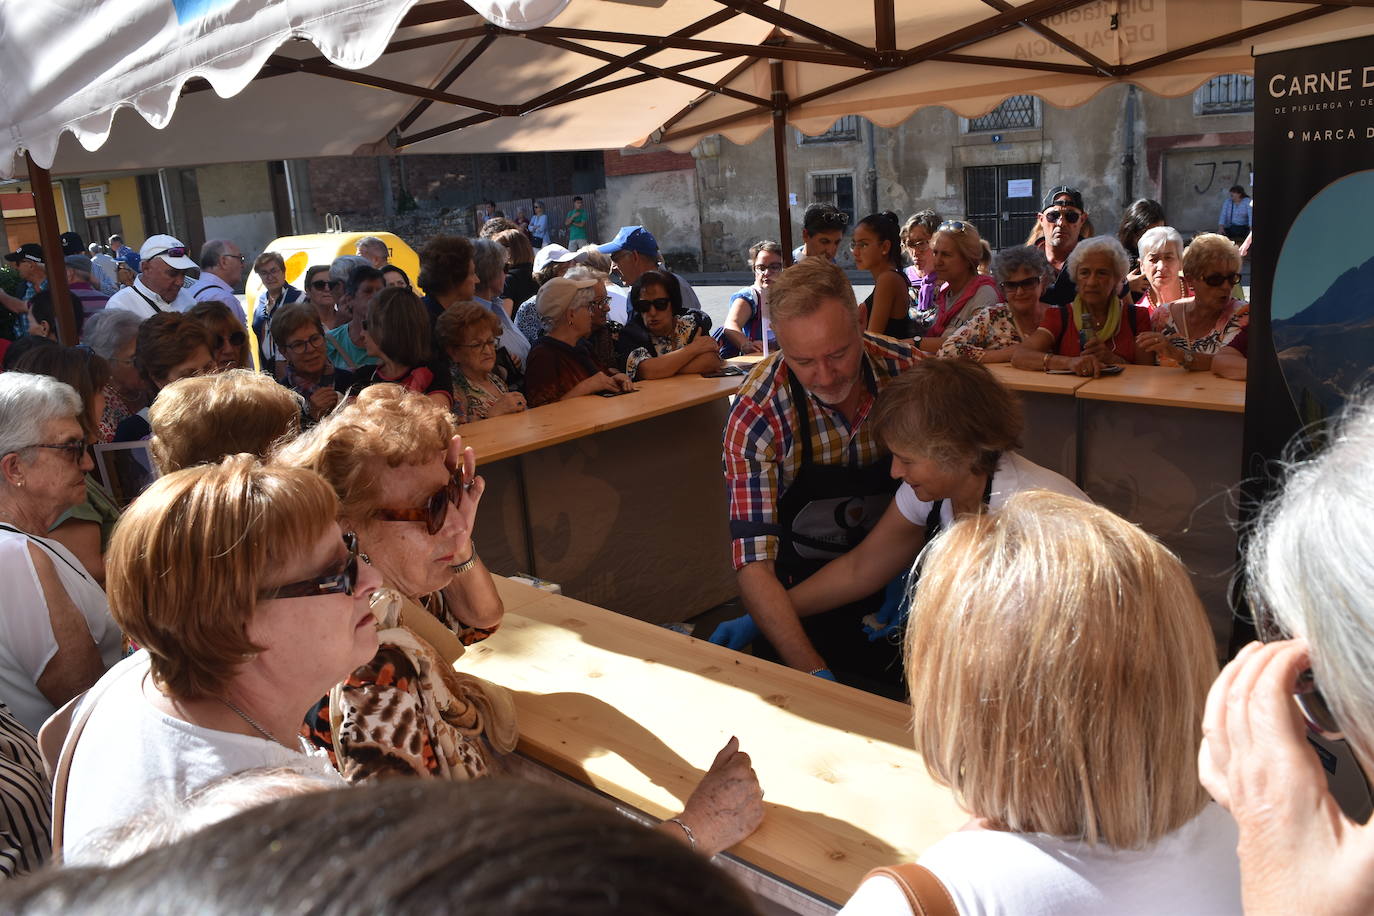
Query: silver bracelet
(691,837)
(467,564)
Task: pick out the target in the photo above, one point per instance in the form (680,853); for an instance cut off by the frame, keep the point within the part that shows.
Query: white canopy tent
(91,85)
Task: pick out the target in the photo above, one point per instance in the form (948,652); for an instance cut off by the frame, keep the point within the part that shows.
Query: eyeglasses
(235,339)
(174,252)
(1069,216)
(75,449)
(326,584)
(241,258)
(434,512)
(1013,286)
(488,344)
(918,244)
(1215,280)
(775,267)
(1310,700)
(643,305)
(313,342)
(954,225)
(322,284)
(602,302)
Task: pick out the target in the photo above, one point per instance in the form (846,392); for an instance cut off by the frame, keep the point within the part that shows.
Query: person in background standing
(363,283)
(539,226)
(822,231)
(107,265)
(1234,221)
(374,250)
(1059,227)
(161,286)
(80,272)
(519,284)
(122,252)
(1140,217)
(221,269)
(576,222)
(271,270)
(28,262)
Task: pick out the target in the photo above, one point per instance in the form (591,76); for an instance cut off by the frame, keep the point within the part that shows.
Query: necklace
(245,717)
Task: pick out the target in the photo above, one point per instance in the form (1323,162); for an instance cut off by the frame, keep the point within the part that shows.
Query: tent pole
(780,159)
(50,237)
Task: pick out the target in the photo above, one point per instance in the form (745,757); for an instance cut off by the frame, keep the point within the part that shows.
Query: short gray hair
(595,258)
(586,272)
(212,251)
(343,266)
(488,259)
(1311,565)
(373,242)
(1099,244)
(109,330)
(27,403)
(1020,257)
(1157,238)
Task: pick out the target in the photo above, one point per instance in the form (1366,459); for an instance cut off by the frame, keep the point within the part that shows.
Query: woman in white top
(951,427)
(1058,660)
(56,635)
(249,606)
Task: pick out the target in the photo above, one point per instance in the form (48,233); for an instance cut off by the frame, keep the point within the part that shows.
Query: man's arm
(767,601)
(13,303)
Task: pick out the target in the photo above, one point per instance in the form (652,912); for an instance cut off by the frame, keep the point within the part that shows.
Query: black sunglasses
(433,513)
(327,584)
(1012,286)
(236,339)
(321,284)
(643,305)
(1309,698)
(1070,216)
(1215,280)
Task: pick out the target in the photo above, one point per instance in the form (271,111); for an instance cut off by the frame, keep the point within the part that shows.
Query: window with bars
(1230,93)
(836,189)
(1016,113)
(842,131)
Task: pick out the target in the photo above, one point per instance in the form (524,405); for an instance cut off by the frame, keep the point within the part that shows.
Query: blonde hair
(386,425)
(952,411)
(800,289)
(188,559)
(1210,250)
(1058,660)
(966,240)
(203,418)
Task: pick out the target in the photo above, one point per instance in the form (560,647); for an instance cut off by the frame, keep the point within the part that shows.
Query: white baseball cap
(552,254)
(172,251)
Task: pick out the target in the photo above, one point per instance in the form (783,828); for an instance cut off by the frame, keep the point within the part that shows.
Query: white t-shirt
(1014,473)
(138,299)
(27,642)
(130,751)
(1192,871)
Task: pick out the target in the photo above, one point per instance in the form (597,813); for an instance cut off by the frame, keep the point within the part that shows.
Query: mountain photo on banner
(1324,341)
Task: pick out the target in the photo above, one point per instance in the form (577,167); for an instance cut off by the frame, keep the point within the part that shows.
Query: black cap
(72,243)
(1075,197)
(28,252)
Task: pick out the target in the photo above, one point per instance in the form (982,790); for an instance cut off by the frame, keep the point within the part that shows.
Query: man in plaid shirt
(807,478)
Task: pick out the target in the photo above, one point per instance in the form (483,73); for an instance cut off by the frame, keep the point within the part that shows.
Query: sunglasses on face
(1215,280)
(434,512)
(313,342)
(326,584)
(1069,216)
(236,339)
(1013,286)
(918,244)
(643,305)
(320,284)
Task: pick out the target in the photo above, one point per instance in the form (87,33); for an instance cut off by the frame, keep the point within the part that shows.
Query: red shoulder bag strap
(925,894)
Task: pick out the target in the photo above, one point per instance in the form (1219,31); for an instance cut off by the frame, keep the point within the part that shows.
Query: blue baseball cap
(632,238)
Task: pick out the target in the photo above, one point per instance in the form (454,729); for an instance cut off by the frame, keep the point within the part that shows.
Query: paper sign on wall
(1021,187)
(93,201)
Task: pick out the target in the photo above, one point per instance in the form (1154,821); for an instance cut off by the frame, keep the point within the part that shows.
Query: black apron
(826,512)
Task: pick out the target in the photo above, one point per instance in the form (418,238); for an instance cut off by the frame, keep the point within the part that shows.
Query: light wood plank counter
(1038,382)
(1168,387)
(639,712)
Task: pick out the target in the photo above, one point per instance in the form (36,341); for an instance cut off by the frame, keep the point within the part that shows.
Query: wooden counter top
(639,712)
(1038,382)
(517,433)
(1168,387)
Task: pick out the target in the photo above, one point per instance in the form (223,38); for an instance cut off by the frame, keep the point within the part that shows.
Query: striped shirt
(25,800)
(761,452)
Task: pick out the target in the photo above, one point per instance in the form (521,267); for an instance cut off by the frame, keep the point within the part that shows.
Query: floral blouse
(117,410)
(1232,320)
(472,402)
(686,323)
(991,328)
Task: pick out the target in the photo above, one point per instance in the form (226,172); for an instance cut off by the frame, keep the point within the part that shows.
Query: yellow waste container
(301,251)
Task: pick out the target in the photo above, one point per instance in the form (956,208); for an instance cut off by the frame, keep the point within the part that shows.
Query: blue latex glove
(891,617)
(736,634)
(825,673)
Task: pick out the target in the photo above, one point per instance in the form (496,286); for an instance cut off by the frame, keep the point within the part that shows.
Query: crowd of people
(284,610)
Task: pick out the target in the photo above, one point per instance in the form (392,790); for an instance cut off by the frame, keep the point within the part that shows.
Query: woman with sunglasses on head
(468,333)
(957,248)
(320,294)
(664,338)
(1191,330)
(993,333)
(231,350)
(305,367)
(743,330)
(916,235)
(248,603)
(877,248)
(1310,581)
(1098,328)
(56,634)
